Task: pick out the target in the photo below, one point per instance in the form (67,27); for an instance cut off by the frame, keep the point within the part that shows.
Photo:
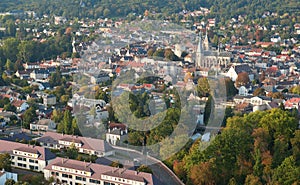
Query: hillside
(120,8)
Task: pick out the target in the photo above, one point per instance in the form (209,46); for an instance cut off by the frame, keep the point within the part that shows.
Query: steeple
(199,53)
(206,42)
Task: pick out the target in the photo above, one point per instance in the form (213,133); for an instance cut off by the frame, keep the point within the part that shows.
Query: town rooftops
(8,147)
(101,172)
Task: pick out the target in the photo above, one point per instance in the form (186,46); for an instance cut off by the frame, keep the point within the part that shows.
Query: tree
(150,52)
(203,87)
(10,48)
(5,162)
(252,180)
(26,51)
(106,12)
(203,174)
(169,55)
(64,99)
(242,79)
(55,78)
(159,53)
(230,88)
(10,107)
(178,168)
(144,168)
(287,173)
(67,122)
(56,116)
(116,164)
(72,151)
(9,65)
(11,28)
(10,182)
(29,117)
(259,92)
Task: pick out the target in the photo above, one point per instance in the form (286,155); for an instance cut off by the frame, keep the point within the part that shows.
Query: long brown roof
(87,143)
(9,146)
(98,170)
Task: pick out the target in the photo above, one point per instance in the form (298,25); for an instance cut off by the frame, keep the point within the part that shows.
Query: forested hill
(120,8)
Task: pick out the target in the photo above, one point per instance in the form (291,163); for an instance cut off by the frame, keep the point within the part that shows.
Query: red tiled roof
(9,146)
(98,170)
(17,103)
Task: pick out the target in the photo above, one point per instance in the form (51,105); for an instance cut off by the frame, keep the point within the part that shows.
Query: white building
(25,156)
(116,133)
(85,145)
(75,172)
(43,125)
(4,176)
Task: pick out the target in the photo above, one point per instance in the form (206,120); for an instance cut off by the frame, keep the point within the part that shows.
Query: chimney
(62,160)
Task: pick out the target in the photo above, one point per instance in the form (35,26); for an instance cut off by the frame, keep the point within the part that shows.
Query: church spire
(199,52)
(206,42)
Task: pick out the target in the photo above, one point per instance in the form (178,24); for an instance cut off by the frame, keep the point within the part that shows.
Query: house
(39,74)
(21,105)
(83,144)
(23,74)
(100,78)
(35,65)
(49,100)
(292,103)
(31,96)
(25,156)
(4,176)
(237,69)
(116,133)
(69,171)
(243,91)
(43,125)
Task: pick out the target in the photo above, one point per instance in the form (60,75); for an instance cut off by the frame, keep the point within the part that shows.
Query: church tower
(206,42)
(199,53)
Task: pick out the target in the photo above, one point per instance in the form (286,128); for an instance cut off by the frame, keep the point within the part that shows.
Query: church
(209,59)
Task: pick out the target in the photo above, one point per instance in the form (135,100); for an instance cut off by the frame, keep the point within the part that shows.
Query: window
(78,178)
(20,164)
(31,161)
(31,167)
(24,159)
(83,179)
(20,158)
(65,175)
(94,181)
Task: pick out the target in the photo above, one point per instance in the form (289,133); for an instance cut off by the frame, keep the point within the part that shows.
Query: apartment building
(75,172)
(85,145)
(26,156)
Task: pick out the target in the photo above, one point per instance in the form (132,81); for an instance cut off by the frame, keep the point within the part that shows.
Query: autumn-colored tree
(203,87)
(259,35)
(259,92)
(203,174)
(178,168)
(242,79)
(252,180)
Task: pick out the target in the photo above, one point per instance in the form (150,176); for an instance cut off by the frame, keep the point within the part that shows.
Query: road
(164,175)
